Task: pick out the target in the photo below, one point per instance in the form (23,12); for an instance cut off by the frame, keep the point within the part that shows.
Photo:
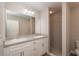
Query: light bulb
(29,11)
(32,12)
(50,12)
(26,10)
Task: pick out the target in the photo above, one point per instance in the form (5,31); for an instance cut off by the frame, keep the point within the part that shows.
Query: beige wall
(67,29)
(74,26)
(56,31)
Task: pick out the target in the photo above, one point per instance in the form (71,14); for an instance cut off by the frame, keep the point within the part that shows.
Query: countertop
(22,39)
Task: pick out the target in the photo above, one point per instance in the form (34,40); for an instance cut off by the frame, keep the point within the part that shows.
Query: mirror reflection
(19,25)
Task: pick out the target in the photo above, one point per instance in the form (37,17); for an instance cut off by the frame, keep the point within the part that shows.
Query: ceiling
(74,4)
(43,5)
(40,5)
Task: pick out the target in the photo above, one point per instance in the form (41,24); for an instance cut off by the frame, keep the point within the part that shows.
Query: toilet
(77,48)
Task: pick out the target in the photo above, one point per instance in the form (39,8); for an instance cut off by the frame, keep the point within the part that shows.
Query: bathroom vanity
(21,37)
(23,33)
(31,46)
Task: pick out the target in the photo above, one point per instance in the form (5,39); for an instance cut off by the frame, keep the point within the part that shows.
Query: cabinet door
(15,53)
(45,45)
(40,47)
(37,50)
(34,49)
(12,53)
(6,53)
(18,52)
(28,51)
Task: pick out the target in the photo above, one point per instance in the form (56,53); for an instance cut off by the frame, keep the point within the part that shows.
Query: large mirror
(19,25)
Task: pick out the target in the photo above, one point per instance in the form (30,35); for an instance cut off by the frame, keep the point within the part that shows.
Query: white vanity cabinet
(32,48)
(40,47)
(18,50)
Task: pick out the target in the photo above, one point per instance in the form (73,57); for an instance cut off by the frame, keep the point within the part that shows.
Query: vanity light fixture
(28,12)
